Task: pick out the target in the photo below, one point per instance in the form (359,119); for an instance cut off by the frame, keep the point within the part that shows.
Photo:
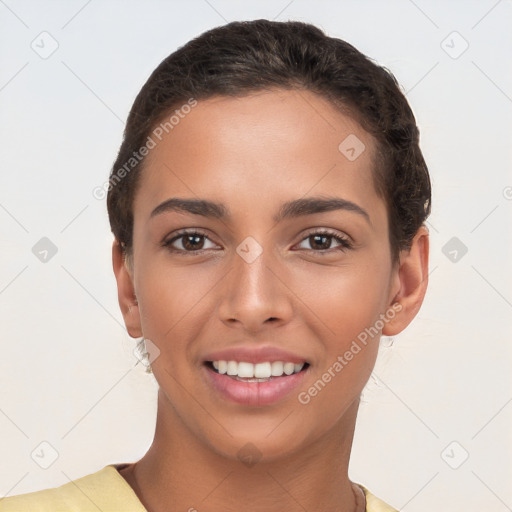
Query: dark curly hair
(247,56)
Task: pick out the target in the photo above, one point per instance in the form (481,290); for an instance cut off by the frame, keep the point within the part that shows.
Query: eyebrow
(289,210)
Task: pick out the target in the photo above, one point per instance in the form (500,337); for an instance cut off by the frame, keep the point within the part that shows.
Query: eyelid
(343,239)
(327,231)
(182,233)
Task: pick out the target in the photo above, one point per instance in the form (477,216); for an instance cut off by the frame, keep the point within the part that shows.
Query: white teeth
(265,370)
(289,368)
(232,368)
(277,368)
(223,366)
(246,370)
(262,370)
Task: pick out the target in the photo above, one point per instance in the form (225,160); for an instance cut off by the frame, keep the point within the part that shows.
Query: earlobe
(126,292)
(413,281)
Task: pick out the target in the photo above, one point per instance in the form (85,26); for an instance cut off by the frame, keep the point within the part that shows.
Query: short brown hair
(247,56)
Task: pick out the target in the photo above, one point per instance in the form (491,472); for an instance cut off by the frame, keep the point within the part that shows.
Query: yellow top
(108,491)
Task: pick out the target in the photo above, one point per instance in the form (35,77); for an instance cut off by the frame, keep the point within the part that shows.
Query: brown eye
(190,241)
(323,241)
(320,241)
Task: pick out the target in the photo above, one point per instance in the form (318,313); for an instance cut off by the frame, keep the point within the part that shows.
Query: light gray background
(67,370)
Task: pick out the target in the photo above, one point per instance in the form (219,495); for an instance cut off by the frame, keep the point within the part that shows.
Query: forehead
(274,145)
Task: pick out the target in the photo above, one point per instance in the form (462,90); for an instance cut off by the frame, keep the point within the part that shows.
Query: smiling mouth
(259,372)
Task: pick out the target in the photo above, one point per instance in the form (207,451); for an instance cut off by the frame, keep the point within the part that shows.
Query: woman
(268,205)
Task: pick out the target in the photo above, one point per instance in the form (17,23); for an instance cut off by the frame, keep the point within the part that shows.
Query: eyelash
(344,242)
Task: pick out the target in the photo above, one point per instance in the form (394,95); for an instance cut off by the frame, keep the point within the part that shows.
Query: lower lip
(254,393)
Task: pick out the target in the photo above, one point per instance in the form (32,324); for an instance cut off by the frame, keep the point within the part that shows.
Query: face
(288,261)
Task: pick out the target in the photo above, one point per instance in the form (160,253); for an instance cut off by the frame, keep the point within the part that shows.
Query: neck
(179,472)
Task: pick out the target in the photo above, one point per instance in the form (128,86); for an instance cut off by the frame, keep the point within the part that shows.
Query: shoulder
(105,490)
(374,504)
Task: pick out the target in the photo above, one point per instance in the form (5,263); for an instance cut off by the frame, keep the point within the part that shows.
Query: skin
(253,154)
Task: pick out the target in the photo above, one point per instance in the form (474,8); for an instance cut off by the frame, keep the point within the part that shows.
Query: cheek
(342,306)
(346,304)
(336,303)
(171,298)
(345,300)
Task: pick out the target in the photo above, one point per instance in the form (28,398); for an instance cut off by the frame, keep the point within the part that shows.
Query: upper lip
(255,355)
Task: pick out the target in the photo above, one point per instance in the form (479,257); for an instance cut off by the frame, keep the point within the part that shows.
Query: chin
(258,446)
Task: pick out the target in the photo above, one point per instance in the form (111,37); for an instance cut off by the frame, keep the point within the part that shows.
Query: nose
(255,294)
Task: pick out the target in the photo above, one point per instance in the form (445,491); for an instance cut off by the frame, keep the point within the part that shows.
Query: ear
(411,281)
(126,291)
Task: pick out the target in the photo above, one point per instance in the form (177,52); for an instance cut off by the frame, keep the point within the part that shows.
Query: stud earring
(144,355)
